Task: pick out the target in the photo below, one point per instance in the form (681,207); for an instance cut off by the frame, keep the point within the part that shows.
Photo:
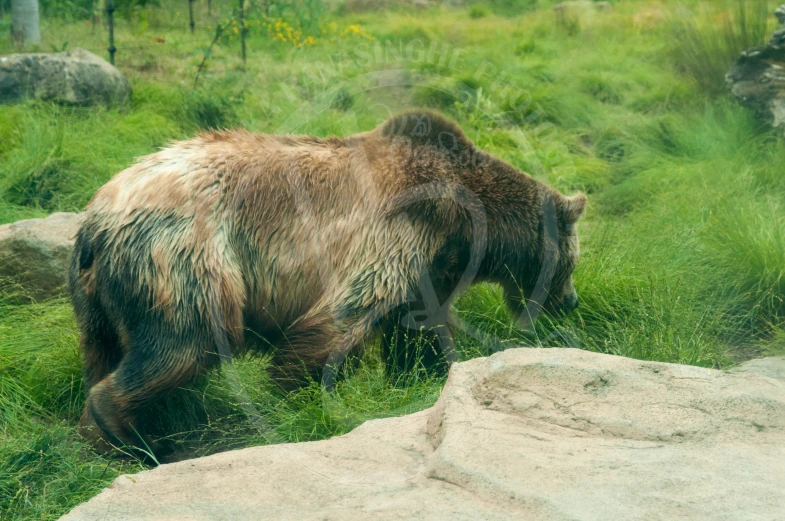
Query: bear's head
(561,293)
(543,280)
(532,246)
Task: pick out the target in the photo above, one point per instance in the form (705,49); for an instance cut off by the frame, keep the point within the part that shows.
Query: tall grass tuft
(748,236)
(707,40)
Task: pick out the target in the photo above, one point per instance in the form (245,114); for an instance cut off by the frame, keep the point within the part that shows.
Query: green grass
(683,244)
(707,50)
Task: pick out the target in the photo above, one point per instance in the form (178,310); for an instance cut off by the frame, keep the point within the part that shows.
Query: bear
(301,247)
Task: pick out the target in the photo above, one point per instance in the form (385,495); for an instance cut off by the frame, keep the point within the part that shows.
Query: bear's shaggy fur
(310,244)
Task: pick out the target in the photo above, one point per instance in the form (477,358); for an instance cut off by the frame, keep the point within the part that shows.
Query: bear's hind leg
(152,369)
(99,342)
(100,347)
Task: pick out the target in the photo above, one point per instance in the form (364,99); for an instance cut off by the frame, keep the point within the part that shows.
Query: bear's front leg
(316,345)
(409,343)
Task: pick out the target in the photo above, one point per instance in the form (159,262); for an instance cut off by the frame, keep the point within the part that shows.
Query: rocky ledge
(757,79)
(533,434)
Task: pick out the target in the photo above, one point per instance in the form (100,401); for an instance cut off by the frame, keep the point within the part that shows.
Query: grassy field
(683,245)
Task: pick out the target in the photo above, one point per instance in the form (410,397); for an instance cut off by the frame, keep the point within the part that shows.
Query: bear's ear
(572,208)
(424,127)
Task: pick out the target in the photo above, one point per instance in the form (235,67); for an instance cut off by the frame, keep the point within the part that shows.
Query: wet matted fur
(310,244)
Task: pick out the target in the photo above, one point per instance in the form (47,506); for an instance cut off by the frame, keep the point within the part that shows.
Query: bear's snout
(562,307)
(571,302)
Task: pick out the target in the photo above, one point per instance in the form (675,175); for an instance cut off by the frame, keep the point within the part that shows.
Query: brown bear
(303,245)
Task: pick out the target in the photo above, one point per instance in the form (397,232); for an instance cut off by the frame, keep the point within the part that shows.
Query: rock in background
(758,77)
(35,254)
(76,77)
(526,434)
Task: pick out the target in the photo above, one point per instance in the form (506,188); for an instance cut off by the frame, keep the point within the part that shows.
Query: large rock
(76,77)
(773,367)
(526,434)
(758,77)
(35,253)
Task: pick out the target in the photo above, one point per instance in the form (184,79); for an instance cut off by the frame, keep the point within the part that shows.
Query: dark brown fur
(311,244)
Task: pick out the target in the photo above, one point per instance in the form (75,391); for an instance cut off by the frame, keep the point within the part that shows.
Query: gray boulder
(76,77)
(35,253)
(757,79)
(526,434)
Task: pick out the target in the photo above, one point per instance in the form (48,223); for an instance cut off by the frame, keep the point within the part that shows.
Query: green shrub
(747,237)
(442,93)
(478,11)
(527,46)
(510,7)
(207,110)
(602,87)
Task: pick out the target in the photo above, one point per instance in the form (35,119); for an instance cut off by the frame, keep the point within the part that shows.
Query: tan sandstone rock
(35,253)
(526,434)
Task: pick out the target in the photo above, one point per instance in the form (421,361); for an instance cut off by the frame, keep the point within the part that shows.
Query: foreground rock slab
(75,77)
(35,253)
(526,434)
